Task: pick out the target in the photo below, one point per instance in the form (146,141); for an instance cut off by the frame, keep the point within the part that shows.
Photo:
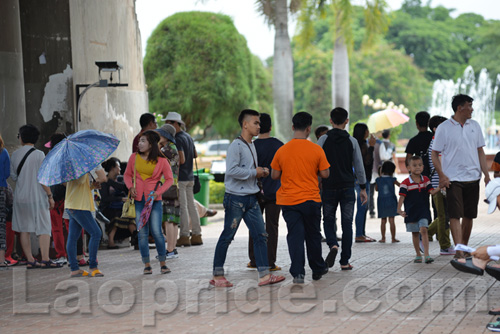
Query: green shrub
(217,190)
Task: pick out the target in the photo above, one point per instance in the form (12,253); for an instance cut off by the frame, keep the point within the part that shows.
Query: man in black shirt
(266,146)
(419,145)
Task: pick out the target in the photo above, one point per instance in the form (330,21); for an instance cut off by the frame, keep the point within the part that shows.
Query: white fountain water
(483,91)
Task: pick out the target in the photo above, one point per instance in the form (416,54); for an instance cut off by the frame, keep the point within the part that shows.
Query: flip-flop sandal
(275,268)
(330,258)
(362,240)
(272,280)
(164,270)
(50,265)
(147,271)
(418,259)
(221,283)
(96,273)
(33,265)
(491,312)
(346,267)
(429,259)
(467,267)
(493,271)
(83,273)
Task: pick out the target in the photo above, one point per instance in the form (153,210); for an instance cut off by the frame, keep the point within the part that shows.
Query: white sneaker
(447,251)
(62,260)
(172,255)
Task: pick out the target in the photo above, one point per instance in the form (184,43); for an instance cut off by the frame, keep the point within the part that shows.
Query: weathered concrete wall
(47,62)
(108,30)
(12,102)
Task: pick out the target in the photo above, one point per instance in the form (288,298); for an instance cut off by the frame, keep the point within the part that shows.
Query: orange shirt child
(299,161)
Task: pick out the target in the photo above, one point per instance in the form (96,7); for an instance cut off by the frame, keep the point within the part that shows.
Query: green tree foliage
(389,75)
(198,64)
(439,44)
(380,72)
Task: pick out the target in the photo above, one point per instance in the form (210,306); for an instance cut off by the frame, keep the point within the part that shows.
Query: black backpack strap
(21,164)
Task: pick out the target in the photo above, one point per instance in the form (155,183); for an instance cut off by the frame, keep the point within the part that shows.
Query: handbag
(128,210)
(197,184)
(171,194)
(260,195)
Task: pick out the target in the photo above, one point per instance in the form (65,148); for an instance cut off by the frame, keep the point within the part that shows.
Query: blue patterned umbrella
(75,156)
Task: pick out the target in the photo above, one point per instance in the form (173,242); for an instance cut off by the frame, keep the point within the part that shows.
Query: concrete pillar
(12,102)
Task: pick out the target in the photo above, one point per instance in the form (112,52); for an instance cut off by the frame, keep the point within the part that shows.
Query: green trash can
(204,194)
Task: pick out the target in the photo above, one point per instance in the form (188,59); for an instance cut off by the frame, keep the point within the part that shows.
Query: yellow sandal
(96,273)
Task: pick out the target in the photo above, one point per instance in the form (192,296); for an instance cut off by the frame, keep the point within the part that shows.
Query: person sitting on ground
(113,195)
(414,193)
(495,165)
(478,263)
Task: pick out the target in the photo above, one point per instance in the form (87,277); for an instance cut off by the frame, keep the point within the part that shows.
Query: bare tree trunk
(282,74)
(340,74)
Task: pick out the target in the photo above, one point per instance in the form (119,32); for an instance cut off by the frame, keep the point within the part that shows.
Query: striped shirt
(416,199)
(433,174)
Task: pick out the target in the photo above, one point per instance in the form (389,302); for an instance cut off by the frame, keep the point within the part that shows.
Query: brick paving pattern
(384,293)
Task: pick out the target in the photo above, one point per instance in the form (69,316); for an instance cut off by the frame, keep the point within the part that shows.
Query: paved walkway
(384,293)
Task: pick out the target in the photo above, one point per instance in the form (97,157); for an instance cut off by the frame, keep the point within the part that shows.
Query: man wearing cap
(187,153)
(460,142)
(148,122)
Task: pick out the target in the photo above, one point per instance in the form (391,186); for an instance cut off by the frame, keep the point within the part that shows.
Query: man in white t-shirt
(460,142)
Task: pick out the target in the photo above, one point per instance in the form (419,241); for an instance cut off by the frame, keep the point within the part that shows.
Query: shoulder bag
(197,184)
(128,210)
(260,195)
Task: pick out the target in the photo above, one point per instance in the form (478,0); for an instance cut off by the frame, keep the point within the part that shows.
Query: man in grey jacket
(343,153)
(240,201)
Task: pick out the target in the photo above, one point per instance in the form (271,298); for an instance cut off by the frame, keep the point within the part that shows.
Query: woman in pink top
(149,168)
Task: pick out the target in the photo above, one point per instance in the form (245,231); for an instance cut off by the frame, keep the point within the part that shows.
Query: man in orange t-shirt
(298,163)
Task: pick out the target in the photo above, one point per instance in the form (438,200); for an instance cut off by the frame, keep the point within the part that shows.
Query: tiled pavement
(384,293)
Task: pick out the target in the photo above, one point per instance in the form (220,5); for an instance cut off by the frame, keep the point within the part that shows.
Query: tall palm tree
(375,21)
(276,14)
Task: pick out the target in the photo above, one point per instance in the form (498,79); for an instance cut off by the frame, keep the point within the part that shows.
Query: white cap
(492,192)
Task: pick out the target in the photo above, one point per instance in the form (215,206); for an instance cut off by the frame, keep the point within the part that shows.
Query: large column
(12,103)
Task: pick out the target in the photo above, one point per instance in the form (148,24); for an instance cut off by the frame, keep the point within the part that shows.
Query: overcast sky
(260,37)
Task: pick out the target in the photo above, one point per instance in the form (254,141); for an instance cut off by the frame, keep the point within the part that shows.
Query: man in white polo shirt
(460,142)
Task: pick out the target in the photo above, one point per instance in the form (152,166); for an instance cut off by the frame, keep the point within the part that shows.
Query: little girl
(387,202)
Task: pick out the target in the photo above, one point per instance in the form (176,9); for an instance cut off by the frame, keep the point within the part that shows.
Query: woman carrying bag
(149,168)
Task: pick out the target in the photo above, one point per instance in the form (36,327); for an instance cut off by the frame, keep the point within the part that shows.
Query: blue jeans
(237,208)
(154,223)
(78,220)
(361,211)
(303,221)
(331,199)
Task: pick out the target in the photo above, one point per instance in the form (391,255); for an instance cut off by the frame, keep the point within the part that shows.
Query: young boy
(414,193)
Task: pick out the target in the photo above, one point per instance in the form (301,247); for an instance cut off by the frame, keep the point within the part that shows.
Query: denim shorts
(415,227)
